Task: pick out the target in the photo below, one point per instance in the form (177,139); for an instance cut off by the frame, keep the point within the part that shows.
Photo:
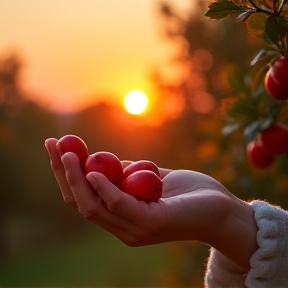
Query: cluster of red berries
(276,80)
(141,179)
(270,142)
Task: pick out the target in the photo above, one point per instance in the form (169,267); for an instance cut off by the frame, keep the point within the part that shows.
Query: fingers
(90,205)
(117,201)
(164,172)
(59,172)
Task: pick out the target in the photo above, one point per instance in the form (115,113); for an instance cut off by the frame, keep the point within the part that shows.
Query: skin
(194,206)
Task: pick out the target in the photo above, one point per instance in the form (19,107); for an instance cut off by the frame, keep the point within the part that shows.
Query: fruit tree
(260,106)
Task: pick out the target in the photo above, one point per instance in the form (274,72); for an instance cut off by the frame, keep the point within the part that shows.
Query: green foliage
(267,22)
(222,9)
(253,110)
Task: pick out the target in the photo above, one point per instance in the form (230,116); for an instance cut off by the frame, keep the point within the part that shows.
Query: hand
(194,206)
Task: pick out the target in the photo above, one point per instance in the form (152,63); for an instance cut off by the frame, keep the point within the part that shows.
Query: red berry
(141,165)
(279,71)
(106,163)
(144,185)
(277,91)
(274,139)
(257,155)
(72,143)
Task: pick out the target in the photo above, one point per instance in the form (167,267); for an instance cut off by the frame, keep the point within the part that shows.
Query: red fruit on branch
(106,163)
(144,185)
(274,139)
(72,143)
(276,79)
(257,156)
(141,165)
(277,91)
(279,71)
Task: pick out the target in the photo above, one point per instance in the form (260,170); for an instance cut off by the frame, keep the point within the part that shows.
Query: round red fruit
(141,165)
(277,91)
(274,139)
(106,163)
(279,71)
(257,155)
(144,185)
(72,143)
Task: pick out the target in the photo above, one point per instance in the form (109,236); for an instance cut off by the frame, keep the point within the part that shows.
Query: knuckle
(114,205)
(71,180)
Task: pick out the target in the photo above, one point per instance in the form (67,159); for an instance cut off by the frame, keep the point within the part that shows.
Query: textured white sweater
(269,264)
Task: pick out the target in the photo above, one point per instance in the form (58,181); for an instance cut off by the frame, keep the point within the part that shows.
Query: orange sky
(76,51)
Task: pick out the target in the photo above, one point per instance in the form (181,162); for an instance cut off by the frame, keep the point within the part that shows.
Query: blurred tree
(212,59)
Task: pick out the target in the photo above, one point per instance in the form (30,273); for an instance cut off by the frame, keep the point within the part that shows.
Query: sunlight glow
(136,102)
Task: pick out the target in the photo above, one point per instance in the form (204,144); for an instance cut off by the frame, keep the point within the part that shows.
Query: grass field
(91,261)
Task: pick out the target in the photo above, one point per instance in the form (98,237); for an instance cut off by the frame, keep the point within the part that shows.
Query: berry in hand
(144,185)
(106,163)
(141,165)
(72,143)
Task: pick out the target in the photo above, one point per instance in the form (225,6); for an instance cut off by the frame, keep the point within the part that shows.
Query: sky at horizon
(76,52)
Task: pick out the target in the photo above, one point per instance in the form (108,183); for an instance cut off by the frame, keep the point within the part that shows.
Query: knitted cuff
(269,264)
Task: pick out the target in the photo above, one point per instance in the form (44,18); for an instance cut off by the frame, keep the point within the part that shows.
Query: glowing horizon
(76,53)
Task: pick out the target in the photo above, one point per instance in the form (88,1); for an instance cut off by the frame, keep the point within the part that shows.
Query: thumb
(116,200)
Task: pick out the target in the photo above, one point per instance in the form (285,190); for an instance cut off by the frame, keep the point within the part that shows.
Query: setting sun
(136,102)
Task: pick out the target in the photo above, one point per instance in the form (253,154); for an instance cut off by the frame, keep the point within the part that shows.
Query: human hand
(193,206)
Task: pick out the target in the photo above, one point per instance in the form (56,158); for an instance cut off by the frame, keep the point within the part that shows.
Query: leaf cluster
(266,21)
(252,110)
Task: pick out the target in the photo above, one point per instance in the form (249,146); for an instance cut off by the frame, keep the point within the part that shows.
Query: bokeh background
(65,67)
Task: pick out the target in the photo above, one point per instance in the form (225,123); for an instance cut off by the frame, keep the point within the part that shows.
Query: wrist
(236,237)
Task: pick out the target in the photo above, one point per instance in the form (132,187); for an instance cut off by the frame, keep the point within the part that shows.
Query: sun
(136,102)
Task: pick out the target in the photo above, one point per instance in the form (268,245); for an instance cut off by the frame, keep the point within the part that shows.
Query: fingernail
(65,162)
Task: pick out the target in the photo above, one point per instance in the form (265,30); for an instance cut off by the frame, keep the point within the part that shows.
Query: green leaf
(256,23)
(276,28)
(244,110)
(231,127)
(243,16)
(243,3)
(251,131)
(223,9)
(265,5)
(260,66)
(259,77)
(265,123)
(278,5)
(264,55)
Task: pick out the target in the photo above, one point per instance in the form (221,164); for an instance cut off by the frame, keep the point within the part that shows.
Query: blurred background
(65,68)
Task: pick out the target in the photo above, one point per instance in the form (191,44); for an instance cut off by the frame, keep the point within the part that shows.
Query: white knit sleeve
(269,264)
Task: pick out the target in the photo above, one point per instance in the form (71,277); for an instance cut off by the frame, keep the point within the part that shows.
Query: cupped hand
(194,206)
